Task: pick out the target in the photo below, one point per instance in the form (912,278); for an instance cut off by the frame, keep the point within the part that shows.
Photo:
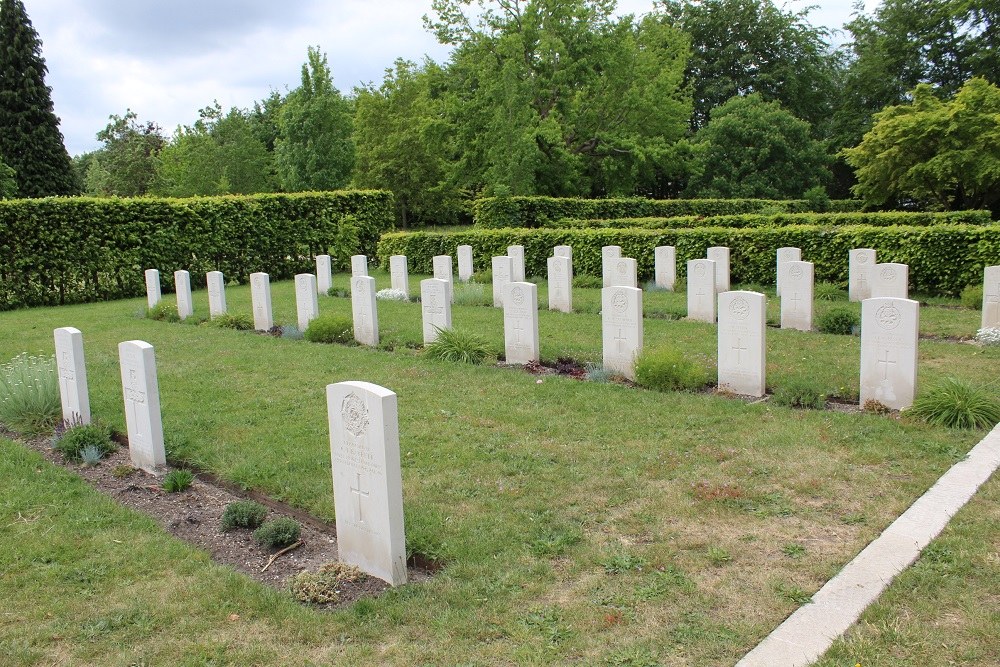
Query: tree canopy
(126,165)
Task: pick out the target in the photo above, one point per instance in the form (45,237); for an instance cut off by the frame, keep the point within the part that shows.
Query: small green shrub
(291,332)
(472,294)
(163,312)
(339,292)
(957,404)
(455,345)
(972,297)
(29,394)
(96,437)
(91,455)
(829,292)
(799,393)
(243,514)
(583,281)
(237,321)
(838,321)
(483,277)
(330,329)
(323,586)
(177,481)
(597,373)
(666,368)
(817,199)
(278,533)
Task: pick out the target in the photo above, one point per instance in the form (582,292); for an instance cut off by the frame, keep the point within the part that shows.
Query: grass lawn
(578,522)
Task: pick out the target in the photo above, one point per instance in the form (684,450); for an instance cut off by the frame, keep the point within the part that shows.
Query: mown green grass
(577,521)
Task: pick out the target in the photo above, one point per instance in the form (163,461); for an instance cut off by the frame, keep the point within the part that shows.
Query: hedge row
(500,212)
(874,219)
(55,251)
(943,259)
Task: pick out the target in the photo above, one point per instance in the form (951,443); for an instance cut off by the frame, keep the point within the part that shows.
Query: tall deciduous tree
(126,165)
(29,131)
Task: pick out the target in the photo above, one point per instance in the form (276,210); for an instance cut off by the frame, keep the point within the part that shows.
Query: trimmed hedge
(943,259)
(874,219)
(500,212)
(56,251)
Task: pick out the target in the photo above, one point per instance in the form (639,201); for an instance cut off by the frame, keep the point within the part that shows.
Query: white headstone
(665,266)
(142,405)
(889,329)
(306,301)
(465,269)
(399,274)
(435,306)
(364,311)
(260,296)
(216,293)
(890,280)
(742,352)
(153,294)
(609,256)
(560,270)
(520,322)
(797,296)
(720,255)
(785,255)
(563,251)
(72,376)
(624,273)
(443,271)
(324,274)
(359,265)
(860,263)
(367,480)
(621,328)
(516,253)
(185,304)
(991,297)
(503,268)
(701,290)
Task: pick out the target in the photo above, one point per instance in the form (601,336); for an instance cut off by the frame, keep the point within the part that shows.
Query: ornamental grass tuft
(666,368)
(455,345)
(957,404)
(29,394)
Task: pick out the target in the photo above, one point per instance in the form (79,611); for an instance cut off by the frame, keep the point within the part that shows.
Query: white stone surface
(260,296)
(435,307)
(520,322)
(563,251)
(742,349)
(367,481)
(991,297)
(306,300)
(465,268)
(860,263)
(621,328)
(797,296)
(890,280)
(720,255)
(153,294)
(359,265)
(560,270)
(503,269)
(72,376)
(185,304)
(624,272)
(609,255)
(516,253)
(443,271)
(889,329)
(399,274)
(781,256)
(665,266)
(324,274)
(701,290)
(142,405)
(364,311)
(216,284)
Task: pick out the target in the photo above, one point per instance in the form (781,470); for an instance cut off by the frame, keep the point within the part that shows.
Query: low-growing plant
(622,562)
(237,321)
(799,392)
(829,292)
(339,292)
(718,556)
(972,297)
(122,471)
(483,277)
(666,368)
(323,586)
(455,345)
(597,373)
(957,404)
(988,336)
(291,332)
(29,394)
(95,437)
(876,407)
(91,455)
(176,481)
(163,312)
(793,550)
(583,281)
(330,328)
(841,321)
(390,294)
(278,533)
(242,514)
(472,294)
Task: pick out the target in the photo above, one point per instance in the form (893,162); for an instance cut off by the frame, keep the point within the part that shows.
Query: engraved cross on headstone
(517,330)
(700,293)
(885,364)
(795,300)
(356,490)
(620,340)
(738,349)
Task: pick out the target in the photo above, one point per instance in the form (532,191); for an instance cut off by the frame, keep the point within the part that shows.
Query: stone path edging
(805,636)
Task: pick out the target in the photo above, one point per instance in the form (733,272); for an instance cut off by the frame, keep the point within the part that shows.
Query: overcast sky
(165,59)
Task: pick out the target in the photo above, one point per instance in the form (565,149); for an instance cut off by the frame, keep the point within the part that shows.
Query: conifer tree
(30,140)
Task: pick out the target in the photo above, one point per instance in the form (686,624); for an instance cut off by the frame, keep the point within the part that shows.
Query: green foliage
(666,368)
(242,514)
(330,328)
(113,240)
(455,345)
(91,455)
(323,586)
(8,181)
(163,312)
(754,148)
(838,321)
(472,294)
(278,533)
(943,155)
(872,219)
(96,437)
(799,392)
(29,394)
(957,404)
(237,321)
(817,198)
(176,481)
(585,281)
(829,292)
(126,165)
(972,297)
